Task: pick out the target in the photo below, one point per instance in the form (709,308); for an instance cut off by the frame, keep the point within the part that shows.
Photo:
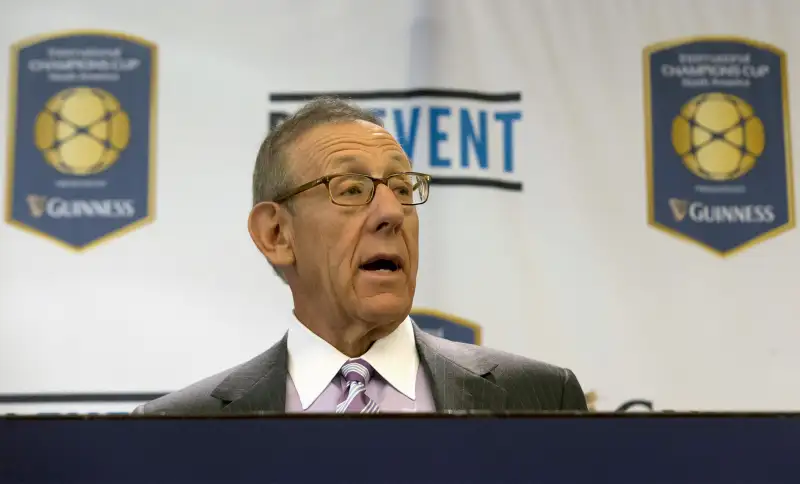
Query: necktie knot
(357,374)
(357,370)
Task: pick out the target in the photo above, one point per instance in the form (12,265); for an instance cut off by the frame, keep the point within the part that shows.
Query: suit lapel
(258,385)
(457,374)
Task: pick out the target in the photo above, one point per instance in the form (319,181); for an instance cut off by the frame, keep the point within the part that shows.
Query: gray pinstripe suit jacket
(462,376)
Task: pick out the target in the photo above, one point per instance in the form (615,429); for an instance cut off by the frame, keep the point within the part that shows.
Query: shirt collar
(313,362)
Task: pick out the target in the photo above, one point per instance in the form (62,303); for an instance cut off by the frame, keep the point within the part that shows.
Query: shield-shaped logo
(718,150)
(447,326)
(81,164)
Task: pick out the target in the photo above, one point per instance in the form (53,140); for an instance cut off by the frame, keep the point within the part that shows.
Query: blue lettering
(407,137)
(507,120)
(478,141)
(437,136)
(473,133)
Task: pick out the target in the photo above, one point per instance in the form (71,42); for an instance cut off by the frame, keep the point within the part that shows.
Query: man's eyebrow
(345,160)
(346,163)
(400,162)
(401,158)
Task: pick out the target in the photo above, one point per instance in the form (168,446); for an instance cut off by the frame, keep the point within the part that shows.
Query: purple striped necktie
(357,374)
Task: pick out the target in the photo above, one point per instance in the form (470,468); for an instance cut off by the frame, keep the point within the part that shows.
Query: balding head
(273,170)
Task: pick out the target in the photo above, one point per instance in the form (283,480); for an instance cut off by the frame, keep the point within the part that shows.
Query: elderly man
(334,212)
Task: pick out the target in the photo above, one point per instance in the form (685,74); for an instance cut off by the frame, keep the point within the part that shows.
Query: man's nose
(387,210)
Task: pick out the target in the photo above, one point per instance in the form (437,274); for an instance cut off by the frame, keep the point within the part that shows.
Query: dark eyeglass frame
(326,180)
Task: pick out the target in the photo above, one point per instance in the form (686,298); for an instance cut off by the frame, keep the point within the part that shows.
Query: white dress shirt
(314,383)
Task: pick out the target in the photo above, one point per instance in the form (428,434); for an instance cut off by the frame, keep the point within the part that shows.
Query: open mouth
(382,264)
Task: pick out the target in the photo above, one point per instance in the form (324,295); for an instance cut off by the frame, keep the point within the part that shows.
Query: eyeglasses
(351,189)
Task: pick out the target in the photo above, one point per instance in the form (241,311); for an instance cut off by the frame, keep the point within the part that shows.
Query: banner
(613,188)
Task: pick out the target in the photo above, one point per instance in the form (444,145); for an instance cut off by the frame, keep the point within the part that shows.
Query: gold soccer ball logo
(82,131)
(718,136)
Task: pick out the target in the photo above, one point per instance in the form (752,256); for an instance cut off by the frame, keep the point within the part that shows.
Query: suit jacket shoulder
(195,399)
(529,384)
(463,377)
(264,375)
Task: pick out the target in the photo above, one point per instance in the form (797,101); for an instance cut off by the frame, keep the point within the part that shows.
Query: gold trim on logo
(453,319)
(651,209)
(11,134)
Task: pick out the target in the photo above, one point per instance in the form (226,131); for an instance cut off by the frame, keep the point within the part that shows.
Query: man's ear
(271,232)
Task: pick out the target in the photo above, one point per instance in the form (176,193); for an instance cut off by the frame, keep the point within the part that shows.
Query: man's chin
(384,307)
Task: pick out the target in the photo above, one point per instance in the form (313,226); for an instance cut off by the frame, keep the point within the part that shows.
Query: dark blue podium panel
(410,449)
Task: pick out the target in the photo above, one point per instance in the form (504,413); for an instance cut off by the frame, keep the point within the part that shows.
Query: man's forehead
(357,130)
(350,143)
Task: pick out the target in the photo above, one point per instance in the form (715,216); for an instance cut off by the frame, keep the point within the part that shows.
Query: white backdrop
(567,270)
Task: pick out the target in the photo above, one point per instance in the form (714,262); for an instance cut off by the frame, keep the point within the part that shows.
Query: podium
(646,448)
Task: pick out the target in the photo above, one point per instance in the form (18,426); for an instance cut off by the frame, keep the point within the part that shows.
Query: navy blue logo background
(447,326)
(723,215)
(79,209)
